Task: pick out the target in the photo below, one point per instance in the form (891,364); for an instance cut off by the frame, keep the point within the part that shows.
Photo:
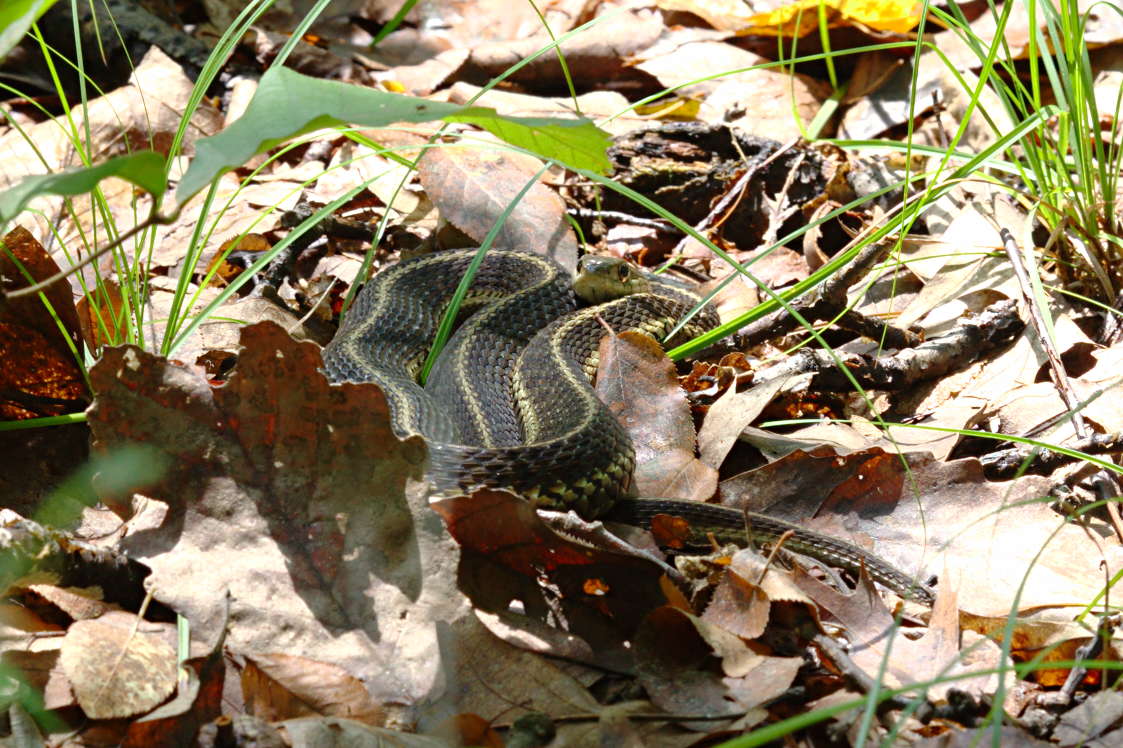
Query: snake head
(602,279)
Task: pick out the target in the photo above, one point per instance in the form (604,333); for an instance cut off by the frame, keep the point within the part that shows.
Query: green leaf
(288,104)
(145,169)
(16,17)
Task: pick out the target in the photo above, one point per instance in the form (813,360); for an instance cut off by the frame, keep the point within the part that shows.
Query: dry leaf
(473,186)
(1090,723)
(803,17)
(40,376)
(293,498)
(738,606)
(328,731)
(730,415)
(79,604)
(690,666)
(758,101)
(198,700)
(116,672)
(600,53)
(878,643)
(279,686)
(727,15)
(507,551)
(639,385)
(146,113)
(101,315)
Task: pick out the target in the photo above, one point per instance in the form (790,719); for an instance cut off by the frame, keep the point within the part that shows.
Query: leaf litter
(292,531)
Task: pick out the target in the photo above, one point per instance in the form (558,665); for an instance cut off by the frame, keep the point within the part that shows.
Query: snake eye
(624,272)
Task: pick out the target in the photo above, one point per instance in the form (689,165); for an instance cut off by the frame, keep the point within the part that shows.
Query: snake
(509,402)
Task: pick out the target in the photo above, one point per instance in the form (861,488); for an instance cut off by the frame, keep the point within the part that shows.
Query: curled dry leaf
(743,598)
(116,672)
(78,603)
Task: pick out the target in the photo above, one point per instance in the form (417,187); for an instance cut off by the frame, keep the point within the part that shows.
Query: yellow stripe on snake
(509,402)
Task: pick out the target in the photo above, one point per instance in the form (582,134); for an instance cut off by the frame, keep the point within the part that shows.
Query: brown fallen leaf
(726,15)
(599,53)
(425,77)
(222,269)
(79,604)
(879,645)
(40,376)
(101,315)
(738,606)
(690,666)
(198,700)
(472,187)
(796,485)
(743,597)
(116,671)
(41,671)
(509,554)
(471,729)
(294,498)
(1090,723)
(146,113)
(279,686)
(741,92)
(985,538)
(1045,636)
(315,731)
(639,385)
(729,416)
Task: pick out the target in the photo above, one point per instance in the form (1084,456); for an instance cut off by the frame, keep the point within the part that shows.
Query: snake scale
(509,402)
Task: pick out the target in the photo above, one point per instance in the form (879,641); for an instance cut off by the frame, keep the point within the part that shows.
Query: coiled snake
(509,403)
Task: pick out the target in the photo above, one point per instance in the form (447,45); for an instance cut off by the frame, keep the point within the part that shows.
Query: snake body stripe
(577,456)
(509,404)
(726,525)
(490,342)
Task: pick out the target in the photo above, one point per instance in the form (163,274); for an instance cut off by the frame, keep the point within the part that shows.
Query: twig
(1012,461)
(992,328)
(826,302)
(1089,651)
(776,548)
(659,224)
(857,677)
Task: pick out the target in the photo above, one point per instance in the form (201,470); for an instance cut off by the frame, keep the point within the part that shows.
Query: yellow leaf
(801,18)
(899,16)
